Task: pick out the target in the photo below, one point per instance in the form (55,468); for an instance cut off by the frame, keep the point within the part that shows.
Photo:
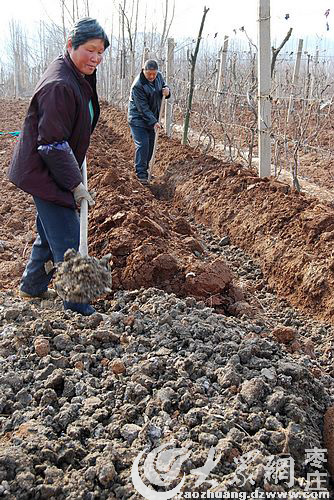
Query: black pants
(58,230)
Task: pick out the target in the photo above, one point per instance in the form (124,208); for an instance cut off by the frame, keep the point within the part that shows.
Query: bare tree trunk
(19,48)
(169,78)
(193,58)
(63,19)
(166,27)
(123,58)
(145,29)
(135,27)
(110,65)
(132,39)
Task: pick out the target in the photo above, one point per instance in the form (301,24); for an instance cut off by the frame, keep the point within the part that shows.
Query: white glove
(81,193)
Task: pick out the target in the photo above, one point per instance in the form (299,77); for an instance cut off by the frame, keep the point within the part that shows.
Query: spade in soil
(81,278)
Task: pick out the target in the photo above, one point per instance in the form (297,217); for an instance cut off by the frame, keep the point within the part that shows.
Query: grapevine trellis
(224,116)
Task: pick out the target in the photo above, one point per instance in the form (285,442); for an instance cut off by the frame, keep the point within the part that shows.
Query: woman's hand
(81,193)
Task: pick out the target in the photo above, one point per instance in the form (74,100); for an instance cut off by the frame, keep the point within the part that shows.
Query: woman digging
(62,114)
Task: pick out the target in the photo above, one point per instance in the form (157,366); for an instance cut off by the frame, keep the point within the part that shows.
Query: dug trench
(155,243)
(218,332)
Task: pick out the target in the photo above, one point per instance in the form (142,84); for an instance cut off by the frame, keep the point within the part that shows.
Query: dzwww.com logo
(163,464)
(255,495)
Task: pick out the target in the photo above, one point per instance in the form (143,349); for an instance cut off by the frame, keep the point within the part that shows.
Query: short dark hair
(86,29)
(151,64)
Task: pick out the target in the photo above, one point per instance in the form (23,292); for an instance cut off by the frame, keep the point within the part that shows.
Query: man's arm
(140,99)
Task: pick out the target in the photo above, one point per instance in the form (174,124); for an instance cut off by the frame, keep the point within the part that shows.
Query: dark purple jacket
(58,112)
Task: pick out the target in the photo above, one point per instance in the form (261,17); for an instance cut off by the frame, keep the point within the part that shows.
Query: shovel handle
(152,161)
(83,246)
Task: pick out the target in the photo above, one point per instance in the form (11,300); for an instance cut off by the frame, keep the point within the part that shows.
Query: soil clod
(83,279)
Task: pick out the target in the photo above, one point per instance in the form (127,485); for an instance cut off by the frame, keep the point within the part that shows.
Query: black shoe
(84,309)
(143,181)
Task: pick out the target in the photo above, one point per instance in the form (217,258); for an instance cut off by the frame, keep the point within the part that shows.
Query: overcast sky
(307,18)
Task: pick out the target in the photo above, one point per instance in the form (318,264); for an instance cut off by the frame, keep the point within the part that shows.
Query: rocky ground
(218,333)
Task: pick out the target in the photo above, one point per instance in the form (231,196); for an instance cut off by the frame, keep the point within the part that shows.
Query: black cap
(86,29)
(151,64)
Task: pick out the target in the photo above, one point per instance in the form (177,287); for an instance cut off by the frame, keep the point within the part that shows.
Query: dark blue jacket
(145,101)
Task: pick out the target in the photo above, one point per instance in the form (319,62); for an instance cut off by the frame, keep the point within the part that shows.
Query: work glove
(81,193)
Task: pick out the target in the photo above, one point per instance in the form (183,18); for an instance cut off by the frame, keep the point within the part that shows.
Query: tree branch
(275,52)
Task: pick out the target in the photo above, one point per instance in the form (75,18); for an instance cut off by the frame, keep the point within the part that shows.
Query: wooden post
(295,78)
(264,89)
(222,69)
(169,80)
(307,78)
(146,54)
(234,72)
(218,60)
(314,73)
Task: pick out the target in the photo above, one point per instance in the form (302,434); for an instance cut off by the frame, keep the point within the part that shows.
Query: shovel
(152,161)
(80,278)
(83,246)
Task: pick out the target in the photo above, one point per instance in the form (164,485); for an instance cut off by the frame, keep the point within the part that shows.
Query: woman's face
(87,56)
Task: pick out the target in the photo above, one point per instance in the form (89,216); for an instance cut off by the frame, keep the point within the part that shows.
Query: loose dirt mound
(81,397)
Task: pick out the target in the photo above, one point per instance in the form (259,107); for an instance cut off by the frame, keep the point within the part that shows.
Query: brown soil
(148,231)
